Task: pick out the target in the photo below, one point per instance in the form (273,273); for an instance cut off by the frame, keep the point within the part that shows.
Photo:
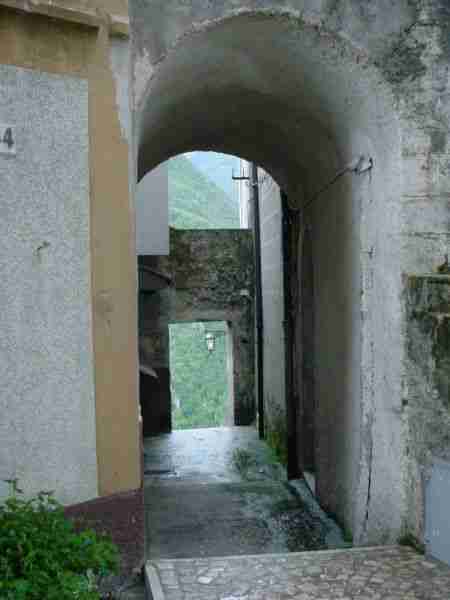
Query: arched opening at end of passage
(300,105)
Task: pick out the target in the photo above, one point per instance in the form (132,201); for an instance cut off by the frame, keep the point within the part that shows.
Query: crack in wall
(369,483)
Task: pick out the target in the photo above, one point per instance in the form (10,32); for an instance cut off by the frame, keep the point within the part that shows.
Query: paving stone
(390,573)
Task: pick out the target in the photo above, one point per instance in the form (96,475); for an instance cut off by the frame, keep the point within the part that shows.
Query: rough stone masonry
(212,280)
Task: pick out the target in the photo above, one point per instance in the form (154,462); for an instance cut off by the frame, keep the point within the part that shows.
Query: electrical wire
(357,166)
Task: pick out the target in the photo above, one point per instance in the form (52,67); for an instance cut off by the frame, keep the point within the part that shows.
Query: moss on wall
(212,273)
(276,431)
(426,402)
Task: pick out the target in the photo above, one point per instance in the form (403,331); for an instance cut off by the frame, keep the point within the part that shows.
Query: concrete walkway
(207,456)
(220,492)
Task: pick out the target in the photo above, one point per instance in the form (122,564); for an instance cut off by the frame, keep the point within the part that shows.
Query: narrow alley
(223,523)
(225,299)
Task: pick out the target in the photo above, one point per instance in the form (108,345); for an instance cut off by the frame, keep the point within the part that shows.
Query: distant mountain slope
(219,169)
(196,202)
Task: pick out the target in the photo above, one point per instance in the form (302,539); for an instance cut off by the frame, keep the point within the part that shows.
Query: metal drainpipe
(289,327)
(259,298)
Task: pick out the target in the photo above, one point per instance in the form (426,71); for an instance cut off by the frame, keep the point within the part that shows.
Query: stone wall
(426,410)
(212,280)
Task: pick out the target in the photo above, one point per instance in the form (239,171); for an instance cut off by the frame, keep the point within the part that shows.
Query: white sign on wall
(7,139)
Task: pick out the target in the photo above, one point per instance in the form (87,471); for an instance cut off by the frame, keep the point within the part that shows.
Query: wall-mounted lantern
(211,338)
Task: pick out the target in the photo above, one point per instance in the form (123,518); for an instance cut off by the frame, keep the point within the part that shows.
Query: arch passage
(314,112)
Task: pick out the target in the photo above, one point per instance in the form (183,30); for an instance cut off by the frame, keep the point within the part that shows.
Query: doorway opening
(201,374)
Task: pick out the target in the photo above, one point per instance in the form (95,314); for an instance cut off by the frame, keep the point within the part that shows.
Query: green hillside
(219,168)
(197,202)
(198,378)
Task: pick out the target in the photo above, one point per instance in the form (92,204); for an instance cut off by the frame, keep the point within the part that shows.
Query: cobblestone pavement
(389,573)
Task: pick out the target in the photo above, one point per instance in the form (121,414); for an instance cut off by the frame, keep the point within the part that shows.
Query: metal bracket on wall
(151,280)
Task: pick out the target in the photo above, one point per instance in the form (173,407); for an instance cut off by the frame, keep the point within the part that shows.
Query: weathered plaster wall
(426,409)
(334,223)
(47,429)
(212,273)
(152,213)
(273,313)
(90,13)
(114,284)
(88,53)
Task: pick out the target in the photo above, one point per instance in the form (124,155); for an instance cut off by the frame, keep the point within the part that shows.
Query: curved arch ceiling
(294,100)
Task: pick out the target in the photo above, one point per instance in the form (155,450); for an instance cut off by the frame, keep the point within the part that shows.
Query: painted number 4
(7,140)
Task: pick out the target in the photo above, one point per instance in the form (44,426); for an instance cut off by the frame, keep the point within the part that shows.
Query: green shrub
(276,440)
(43,557)
(243,461)
(408,539)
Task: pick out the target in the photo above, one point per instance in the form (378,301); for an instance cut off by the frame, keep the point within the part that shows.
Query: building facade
(347,106)
(68,299)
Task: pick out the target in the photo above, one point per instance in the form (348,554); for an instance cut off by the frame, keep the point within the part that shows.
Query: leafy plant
(196,201)
(243,461)
(408,539)
(43,557)
(277,442)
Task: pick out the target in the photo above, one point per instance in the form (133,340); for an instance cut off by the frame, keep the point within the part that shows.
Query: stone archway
(303,94)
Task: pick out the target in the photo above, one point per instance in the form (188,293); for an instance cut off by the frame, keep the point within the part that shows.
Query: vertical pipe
(230,415)
(289,332)
(259,299)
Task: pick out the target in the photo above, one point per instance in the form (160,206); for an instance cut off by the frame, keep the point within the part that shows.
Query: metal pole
(259,299)
(289,334)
